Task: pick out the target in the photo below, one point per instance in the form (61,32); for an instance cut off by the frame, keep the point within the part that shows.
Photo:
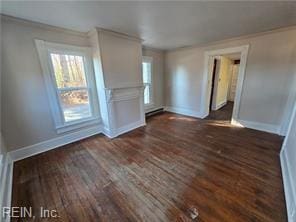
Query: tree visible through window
(71,85)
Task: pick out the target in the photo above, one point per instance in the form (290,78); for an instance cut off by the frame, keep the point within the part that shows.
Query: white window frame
(148,59)
(44,50)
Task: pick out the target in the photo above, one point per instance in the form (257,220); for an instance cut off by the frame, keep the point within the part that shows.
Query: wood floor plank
(165,171)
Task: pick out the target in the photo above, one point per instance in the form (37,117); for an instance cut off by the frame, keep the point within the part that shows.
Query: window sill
(78,124)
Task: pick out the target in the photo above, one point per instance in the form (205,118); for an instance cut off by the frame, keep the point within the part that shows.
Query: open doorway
(223,86)
(223,82)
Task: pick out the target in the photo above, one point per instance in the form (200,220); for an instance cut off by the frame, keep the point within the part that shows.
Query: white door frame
(208,75)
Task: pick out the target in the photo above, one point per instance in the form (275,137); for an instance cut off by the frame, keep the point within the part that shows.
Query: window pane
(146,72)
(68,70)
(75,105)
(147,94)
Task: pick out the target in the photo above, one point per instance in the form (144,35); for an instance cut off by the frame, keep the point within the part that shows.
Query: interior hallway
(224,113)
(161,172)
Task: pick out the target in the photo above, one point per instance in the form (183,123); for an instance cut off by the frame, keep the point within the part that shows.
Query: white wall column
(118,68)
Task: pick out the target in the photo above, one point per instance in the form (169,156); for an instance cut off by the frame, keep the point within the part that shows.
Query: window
(147,80)
(70,84)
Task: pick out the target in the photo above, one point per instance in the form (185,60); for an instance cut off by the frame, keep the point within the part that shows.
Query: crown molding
(134,38)
(153,49)
(69,31)
(41,25)
(114,33)
(224,41)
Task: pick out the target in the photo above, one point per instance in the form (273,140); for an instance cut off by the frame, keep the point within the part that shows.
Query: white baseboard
(54,143)
(153,109)
(6,175)
(130,127)
(108,132)
(186,112)
(44,146)
(289,187)
(124,129)
(248,124)
(270,128)
(6,162)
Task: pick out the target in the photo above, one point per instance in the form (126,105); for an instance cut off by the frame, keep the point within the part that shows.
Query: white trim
(149,106)
(182,111)
(148,48)
(125,85)
(293,115)
(108,132)
(149,59)
(114,95)
(130,127)
(54,143)
(270,128)
(154,109)
(6,185)
(124,129)
(289,108)
(41,25)
(44,49)
(289,188)
(121,94)
(243,123)
(118,34)
(1,162)
(208,75)
(79,124)
(230,40)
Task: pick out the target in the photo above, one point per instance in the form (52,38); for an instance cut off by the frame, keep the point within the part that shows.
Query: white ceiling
(164,25)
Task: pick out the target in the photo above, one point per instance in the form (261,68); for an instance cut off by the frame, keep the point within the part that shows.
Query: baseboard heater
(154,112)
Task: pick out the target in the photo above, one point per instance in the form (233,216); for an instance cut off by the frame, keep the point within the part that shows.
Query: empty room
(148,111)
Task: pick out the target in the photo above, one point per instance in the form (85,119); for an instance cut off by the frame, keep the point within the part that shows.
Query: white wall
(26,115)
(288,161)
(27,119)
(118,65)
(158,76)
(99,75)
(290,147)
(267,83)
(121,59)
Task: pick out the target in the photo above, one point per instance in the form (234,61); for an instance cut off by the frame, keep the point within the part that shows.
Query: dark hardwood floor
(168,170)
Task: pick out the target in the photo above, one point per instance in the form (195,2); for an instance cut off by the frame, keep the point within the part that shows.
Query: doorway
(215,68)
(221,88)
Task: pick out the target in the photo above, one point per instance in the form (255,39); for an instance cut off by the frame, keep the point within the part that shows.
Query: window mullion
(69,66)
(72,88)
(60,107)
